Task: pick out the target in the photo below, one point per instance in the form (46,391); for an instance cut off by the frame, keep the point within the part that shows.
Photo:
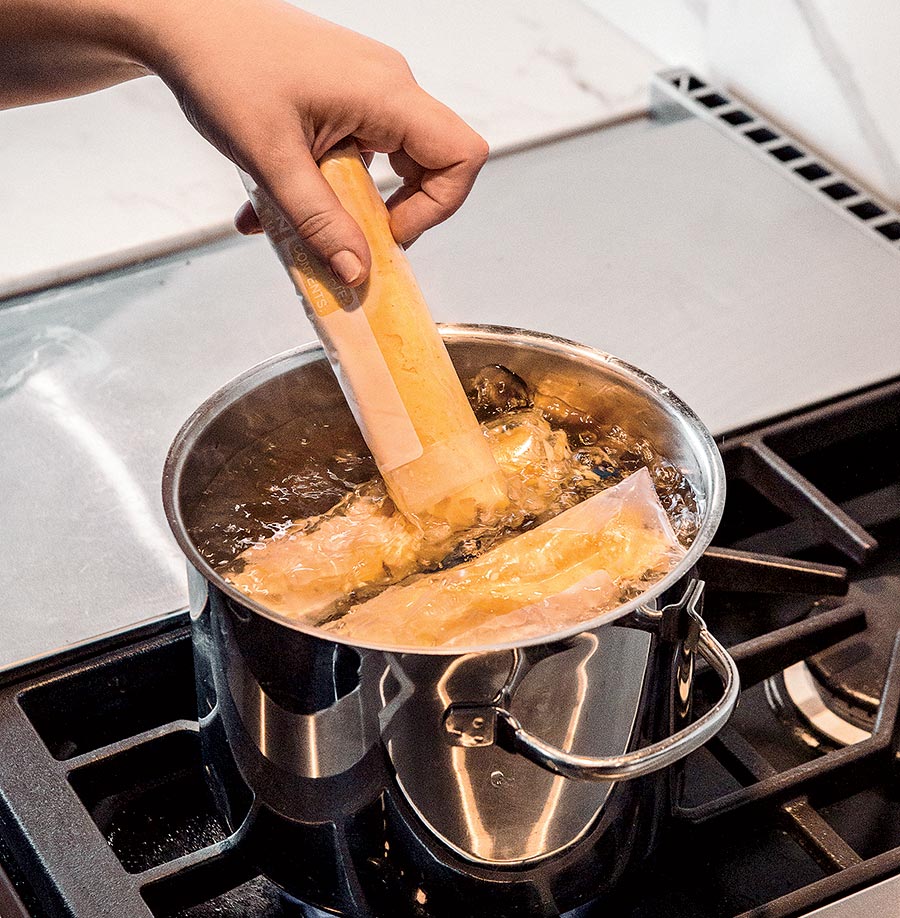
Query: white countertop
(117,176)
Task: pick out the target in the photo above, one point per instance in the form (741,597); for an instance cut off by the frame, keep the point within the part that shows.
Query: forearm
(52,49)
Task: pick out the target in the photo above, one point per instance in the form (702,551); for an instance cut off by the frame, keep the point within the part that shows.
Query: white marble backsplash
(119,175)
(826,70)
(674,30)
(102,180)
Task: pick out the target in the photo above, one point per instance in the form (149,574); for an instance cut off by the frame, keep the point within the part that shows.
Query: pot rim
(239,385)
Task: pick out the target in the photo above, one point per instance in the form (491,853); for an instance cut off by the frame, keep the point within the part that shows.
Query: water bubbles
(496,390)
(267,490)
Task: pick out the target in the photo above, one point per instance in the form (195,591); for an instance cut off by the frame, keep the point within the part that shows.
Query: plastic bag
(365,543)
(568,570)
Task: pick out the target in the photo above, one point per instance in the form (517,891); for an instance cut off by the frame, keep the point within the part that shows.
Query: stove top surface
(104,808)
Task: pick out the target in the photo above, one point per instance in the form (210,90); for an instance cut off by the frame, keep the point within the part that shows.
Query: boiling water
(272,483)
(265,489)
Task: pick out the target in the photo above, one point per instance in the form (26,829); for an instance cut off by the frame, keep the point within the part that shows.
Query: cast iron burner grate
(104,810)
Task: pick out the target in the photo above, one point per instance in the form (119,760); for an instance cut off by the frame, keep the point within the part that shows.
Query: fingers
(245,220)
(296,185)
(437,155)
(439,162)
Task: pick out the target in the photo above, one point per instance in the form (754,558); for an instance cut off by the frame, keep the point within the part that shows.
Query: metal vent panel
(678,93)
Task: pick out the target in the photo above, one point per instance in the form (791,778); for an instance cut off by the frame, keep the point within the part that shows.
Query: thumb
(307,201)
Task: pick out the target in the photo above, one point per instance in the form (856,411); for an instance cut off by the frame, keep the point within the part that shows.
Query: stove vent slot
(890,230)
(839,190)
(692,96)
(761,135)
(813,172)
(712,100)
(737,117)
(866,210)
(786,153)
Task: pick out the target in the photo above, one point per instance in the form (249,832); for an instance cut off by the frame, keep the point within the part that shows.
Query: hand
(272,88)
(325,83)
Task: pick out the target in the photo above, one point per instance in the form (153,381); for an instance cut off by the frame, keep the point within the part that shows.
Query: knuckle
(480,150)
(397,60)
(316,227)
(389,63)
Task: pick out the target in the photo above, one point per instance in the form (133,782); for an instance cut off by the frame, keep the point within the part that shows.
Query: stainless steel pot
(486,780)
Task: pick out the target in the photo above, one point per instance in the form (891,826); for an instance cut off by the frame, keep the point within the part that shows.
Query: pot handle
(651,758)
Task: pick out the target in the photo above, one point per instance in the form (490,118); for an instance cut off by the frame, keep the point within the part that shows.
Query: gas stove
(104,807)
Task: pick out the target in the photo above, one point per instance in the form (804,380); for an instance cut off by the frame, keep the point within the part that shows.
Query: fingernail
(346,266)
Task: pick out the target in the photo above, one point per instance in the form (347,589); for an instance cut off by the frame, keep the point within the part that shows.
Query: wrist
(138,30)
(167,36)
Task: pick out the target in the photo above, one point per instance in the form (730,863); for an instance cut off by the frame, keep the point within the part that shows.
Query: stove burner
(825,486)
(798,686)
(832,699)
(852,673)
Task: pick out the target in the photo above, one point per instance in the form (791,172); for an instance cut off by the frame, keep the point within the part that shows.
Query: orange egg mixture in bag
(585,560)
(364,543)
(450,491)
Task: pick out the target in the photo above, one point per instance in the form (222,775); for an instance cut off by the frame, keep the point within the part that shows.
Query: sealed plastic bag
(568,570)
(361,542)
(365,543)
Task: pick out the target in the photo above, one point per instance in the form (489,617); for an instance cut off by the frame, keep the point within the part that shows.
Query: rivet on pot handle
(475,725)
